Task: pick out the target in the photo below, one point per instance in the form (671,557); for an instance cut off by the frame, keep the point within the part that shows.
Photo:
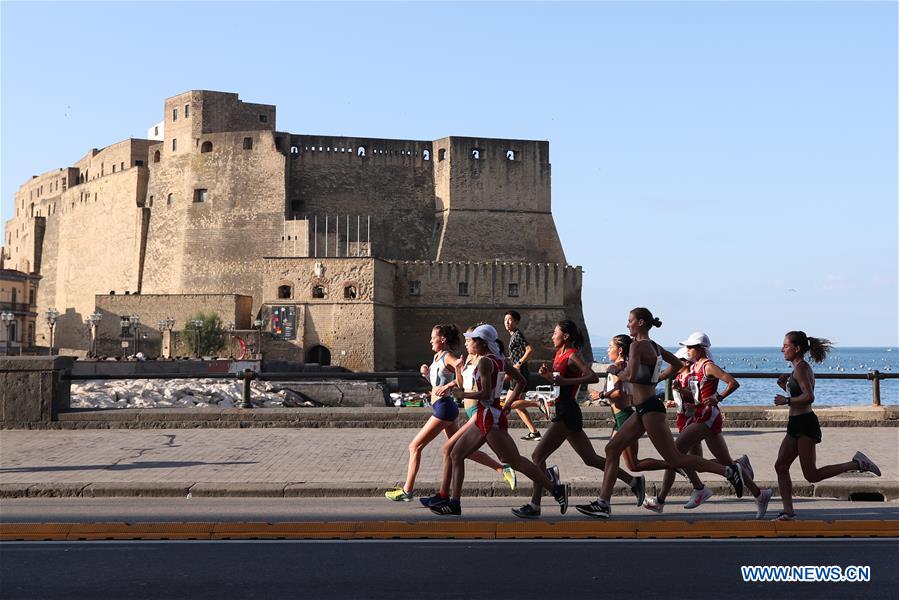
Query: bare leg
(550,442)
(815,474)
(477,456)
(718,447)
(668,478)
(581,444)
(505,448)
(526,419)
(470,440)
(431,429)
(789,450)
(691,437)
(629,432)
(447,478)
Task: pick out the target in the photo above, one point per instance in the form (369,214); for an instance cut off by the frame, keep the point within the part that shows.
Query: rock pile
(182,393)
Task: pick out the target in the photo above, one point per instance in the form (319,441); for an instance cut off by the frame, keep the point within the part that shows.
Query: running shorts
(805,424)
(445,409)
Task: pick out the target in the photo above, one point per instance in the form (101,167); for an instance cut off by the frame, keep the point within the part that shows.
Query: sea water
(828,392)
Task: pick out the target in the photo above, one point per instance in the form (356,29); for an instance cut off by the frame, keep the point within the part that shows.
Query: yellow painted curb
(486,530)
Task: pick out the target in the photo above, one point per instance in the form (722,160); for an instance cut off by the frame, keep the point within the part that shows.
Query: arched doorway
(318,354)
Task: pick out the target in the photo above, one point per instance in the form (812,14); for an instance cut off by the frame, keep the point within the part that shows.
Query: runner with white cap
(707,420)
(803,429)
(644,366)
(482,381)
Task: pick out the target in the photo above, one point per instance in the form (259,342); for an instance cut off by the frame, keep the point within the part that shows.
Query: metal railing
(873,376)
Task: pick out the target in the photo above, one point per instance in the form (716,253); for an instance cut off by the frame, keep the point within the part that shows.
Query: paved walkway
(343,461)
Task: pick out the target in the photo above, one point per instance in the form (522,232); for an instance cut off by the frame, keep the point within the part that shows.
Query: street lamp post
(258,323)
(51,316)
(230,328)
(197,323)
(125,324)
(135,331)
(166,325)
(8,319)
(93,321)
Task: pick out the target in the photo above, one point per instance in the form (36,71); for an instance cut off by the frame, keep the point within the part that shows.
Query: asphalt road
(645,569)
(87,510)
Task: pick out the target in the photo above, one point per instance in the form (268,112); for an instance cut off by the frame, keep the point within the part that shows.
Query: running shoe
(735,477)
(398,495)
(698,497)
(784,517)
(561,492)
(528,511)
(509,476)
(761,503)
(531,436)
(553,474)
(597,508)
(652,503)
(638,487)
(865,464)
(451,507)
(681,472)
(743,461)
(436,499)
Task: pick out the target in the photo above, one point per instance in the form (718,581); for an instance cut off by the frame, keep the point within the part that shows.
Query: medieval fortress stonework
(348,248)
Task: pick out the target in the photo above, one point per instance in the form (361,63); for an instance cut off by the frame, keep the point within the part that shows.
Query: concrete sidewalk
(357,462)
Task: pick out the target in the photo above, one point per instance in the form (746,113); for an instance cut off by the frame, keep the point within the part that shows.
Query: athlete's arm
(520,383)
(717,372)
(485,369)
(587,374)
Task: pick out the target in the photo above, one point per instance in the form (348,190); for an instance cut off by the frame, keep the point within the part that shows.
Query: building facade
(349,249)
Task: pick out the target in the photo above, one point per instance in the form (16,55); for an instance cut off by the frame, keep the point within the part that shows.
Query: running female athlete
(483,379)
(569,372)
(642,371)
(442,375)
(803,430)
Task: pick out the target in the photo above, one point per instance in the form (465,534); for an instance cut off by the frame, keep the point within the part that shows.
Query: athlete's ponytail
(817,348)
(575,337)
(644,314)
(450,333)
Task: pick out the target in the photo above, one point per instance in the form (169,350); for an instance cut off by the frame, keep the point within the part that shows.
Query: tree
(210,336)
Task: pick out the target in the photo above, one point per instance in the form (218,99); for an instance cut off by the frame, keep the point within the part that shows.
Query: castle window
(318,291)
(201,195)
(174,144)
(278,143)
(510,154)
(350,292)
(138,163)
(122,166)
(285,292)
(186,110)
(263,118)
(513,290)
(441,154)
(415,288)
(169,199)
(174,114)
(463,288)
(248,143)
(151,201)
(156,156)
(426,155)
(476,153)
(361,151)
(294,151)
(113,168)
(156,130)
(206,147)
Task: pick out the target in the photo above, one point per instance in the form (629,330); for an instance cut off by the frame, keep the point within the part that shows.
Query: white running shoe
(865,464)
(698,497)
(652,503)
(761,503)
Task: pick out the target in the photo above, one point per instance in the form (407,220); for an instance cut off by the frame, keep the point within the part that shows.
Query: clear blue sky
(707,157)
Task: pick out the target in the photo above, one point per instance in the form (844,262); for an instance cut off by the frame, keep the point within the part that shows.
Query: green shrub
(210,336)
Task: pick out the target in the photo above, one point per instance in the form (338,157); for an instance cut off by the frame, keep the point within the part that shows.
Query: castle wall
(496,206)
(215,246)
(230,308)
(393,182)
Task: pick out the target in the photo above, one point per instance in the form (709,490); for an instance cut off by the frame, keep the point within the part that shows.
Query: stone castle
(348,249)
